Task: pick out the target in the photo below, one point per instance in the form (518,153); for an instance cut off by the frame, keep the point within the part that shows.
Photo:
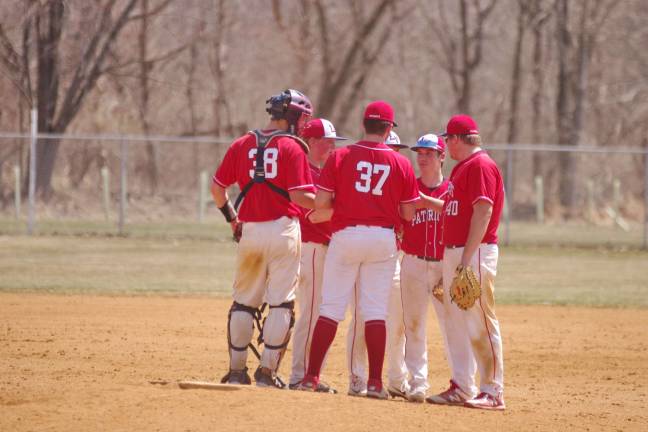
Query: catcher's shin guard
(277,329)
(240,329)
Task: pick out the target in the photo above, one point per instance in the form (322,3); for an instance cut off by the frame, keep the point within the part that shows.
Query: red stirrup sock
(323,336)
(376,336)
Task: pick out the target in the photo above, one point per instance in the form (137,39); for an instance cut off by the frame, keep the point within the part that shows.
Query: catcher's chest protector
(262,141)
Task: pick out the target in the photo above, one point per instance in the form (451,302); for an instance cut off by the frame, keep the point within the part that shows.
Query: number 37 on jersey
(367,171)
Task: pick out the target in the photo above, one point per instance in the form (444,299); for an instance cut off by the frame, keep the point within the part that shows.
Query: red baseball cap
(461,124)
(320,128)
(380,110)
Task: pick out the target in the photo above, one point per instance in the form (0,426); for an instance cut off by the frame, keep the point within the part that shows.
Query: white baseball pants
(474,338)
(418,277)
(309,298)
(357,348)
(267,268)
(366,254)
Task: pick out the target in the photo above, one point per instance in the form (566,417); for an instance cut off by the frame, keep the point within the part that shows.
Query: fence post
(616,195)
(539,187)
(105,177)
(590,200)
(202,196)
(33,143)
(17,190)
(508,199)
(123,185)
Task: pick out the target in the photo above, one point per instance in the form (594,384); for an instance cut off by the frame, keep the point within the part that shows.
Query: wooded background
(562,72)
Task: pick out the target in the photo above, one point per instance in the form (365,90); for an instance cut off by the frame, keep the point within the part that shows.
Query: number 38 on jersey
(367,172)
(269,161)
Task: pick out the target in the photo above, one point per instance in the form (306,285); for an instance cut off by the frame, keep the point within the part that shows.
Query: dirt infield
(86,362)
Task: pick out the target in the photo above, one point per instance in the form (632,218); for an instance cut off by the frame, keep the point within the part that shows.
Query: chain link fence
(159,186)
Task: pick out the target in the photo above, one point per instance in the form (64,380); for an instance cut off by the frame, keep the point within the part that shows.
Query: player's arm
(225,206)
(223,203)
(302,198)
(323,200)
(427,202)
(319,216)
(482,211)
(408,210)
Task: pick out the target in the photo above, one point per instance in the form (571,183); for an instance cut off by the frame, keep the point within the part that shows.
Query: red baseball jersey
(473,179)
(369,181)
(286,166)
(310,232)
(422,235)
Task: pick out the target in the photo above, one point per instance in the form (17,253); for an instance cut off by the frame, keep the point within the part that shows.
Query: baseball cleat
(452,396)
(321,387)
(357,387)
(398,392)
(237,377)
(357,392)
(416,396)
(487,402)
(264,377)
(309,384)
(375,390)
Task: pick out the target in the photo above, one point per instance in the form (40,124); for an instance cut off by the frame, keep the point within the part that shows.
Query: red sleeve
(482,184)
(327,176)
(225,175)
(410,190)
(299,174)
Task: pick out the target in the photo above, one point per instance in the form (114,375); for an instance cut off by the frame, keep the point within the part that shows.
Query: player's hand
(237,229)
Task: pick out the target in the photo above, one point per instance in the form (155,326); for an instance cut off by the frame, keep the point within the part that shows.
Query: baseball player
(356,348)
(321,137)
(471,214)
(369,187)
(271,169)
(421,269)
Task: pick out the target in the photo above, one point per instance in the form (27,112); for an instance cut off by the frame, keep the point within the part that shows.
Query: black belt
(391,227)
(462,245)
(424,258)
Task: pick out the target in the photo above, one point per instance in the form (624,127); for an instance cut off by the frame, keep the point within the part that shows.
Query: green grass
(115,265)
(211,229)
(572,276)
(141,265)
(572,234)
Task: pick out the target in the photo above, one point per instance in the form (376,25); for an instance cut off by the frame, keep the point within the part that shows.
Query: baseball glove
(437,291)
(465,288)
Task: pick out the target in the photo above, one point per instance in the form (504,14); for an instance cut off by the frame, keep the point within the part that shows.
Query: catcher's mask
(289,105)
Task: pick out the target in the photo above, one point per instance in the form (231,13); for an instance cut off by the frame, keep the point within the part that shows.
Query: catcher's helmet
(288,102)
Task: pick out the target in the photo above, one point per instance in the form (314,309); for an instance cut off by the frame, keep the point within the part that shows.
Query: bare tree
(57,96)
(461,37)
(576,43)
(218,64)
(540,13)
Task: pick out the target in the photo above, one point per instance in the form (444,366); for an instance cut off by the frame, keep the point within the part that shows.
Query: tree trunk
(152,150)
(516,76)
(49,27)
(193,122)
(516,82)
(536,98)
(563,103)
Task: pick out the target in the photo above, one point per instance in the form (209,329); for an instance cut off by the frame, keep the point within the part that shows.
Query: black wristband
(228,211)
